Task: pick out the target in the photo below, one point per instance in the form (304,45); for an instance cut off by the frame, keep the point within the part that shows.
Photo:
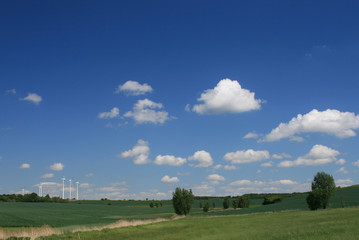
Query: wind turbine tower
(70,187)
(23,191)
(40,190)
(63,187)
(77,190)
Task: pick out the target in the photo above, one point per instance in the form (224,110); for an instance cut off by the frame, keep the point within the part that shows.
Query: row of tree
(31,197)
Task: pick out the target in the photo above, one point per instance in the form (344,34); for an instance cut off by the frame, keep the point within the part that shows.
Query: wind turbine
(77,190)
(63,187)
(70,187)
(23,191)
(40,190)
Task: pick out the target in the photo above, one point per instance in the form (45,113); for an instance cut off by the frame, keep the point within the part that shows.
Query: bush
(272,200)
(182,200)
(226,203)
(206,207)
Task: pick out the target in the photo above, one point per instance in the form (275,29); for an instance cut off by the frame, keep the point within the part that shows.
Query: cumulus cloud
(134,88)
(168,179)
(281,156)
(227,97)
(267,164)
(203,158)
(203,190)
(333,122)
(143,112)
(111,114)
(139,152)
(256,183)
(344,182)
(32,97)
(318,155)
(215,177)
(57,166)
(247,156)
(169,160)
(225,167)
(356,163)
(48,175)
(251,135)
(25,166)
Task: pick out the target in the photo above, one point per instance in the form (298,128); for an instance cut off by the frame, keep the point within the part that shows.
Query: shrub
(206,207)
(226,203)
(272,200)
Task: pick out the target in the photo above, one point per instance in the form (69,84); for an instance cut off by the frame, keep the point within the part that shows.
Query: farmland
(69,216)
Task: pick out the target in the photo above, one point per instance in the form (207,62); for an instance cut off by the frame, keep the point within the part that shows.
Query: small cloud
(251,135)
(48,175)
(143,112)
(215,177)
(203,158)
(140,153)
(168,179)
(89,175)
(342,170)
(344,182)
(111,114)
(267,164)
(187,108)
(134,88)
(169,160)
(247,156)
(340,161)
(230,167)
(356,163)
(57,167)
(281,156)
(11,91)
(32,97)
(25,166)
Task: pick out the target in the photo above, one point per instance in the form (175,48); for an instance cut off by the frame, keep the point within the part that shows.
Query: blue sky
(135,98)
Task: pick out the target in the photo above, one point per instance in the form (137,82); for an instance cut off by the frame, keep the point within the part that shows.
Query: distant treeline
(31,197)
(250,195)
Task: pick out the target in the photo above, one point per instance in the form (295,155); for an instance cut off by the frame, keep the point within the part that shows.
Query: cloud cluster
(247,156)
(57,166)
(111,114)
(169,160)
(168,179)
(227,97)
(318,155)
(134,88)
(32,97)
(246,182)
(203,158)
(139,152)
(225,167)
(143,112)
(333,122)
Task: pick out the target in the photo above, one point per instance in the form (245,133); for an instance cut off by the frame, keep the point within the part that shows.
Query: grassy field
(20,214)
(340,223)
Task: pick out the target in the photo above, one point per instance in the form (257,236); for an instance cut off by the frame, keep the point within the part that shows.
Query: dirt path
(35,232)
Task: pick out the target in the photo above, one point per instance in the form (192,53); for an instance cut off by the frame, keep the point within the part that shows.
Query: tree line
(30,197)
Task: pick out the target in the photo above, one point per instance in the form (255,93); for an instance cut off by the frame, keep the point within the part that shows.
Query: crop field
(341,223)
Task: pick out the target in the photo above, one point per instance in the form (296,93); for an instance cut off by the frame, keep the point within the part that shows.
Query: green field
(22,214)
(340,223)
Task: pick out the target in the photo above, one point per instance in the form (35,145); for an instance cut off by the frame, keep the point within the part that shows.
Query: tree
(243,201)
(226,203)
(323,187)
(182,200)
(235,203)
(206,207)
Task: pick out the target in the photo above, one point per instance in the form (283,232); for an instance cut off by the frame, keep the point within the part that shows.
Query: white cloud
(89,175)
(139,152)
(356,163)
(227,97)
(187,108)
(111,114)
(25,166)
(168,179)
(203,190)
(256,183)
(169,160)
(215,177)
(342,170)
(334,122)
(48,175)
(134,88)
(32,97)
(11,91)
(344,182)
(281,156)
(267,164)
(247,156)
(230,167)
(341,161)
(57,166)
(143,112)
(204,158)
(318,155)
(251,135)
